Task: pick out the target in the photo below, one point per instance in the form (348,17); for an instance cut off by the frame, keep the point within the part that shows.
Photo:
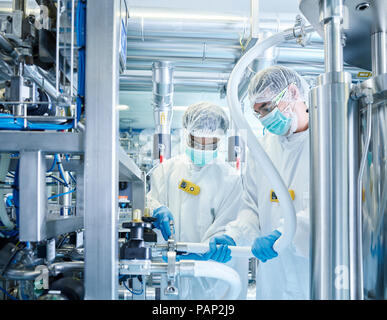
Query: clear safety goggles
(267,107)
(202,143)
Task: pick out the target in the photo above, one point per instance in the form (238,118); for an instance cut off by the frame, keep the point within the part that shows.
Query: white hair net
(270,82)
(205,119)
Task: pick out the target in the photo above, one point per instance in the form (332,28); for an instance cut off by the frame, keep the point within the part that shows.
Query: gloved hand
(163,216)
(263,246)
(187,256)
(217,253)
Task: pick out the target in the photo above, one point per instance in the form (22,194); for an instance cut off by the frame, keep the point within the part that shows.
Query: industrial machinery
(74,222)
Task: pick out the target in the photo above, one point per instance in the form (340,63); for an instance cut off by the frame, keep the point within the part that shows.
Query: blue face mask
(276,122)
(201,157)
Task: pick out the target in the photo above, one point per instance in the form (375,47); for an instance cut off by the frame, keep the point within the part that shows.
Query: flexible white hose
(222,272)
(255,148)
(236,252)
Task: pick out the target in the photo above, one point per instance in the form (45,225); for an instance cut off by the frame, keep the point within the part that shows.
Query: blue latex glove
(263,246)
(163,216)
(219,253)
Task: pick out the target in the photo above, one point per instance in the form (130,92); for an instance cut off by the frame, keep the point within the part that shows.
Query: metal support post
(101,153)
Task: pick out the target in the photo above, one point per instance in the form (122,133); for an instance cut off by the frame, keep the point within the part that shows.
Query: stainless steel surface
(254,9)
(331,15)
(21,274)
(101,153)
(66,200)
(378,85)
(128,170)
(162,79)
(358,26)
(49,142)
(138,194)
(375,203)
(335,269)
(329,203)
(62,267)
(355,239)
(379,52)
(58,226)
(33,196)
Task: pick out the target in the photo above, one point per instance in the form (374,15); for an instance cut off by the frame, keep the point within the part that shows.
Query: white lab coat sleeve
(299,245)
(245,228)
(156,195)
(227,210)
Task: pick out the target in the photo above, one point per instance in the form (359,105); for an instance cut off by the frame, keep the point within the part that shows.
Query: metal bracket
(299,32)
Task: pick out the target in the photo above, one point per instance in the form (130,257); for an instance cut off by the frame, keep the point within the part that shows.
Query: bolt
(9,19)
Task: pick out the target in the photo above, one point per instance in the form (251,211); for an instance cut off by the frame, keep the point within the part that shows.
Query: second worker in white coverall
(278,96)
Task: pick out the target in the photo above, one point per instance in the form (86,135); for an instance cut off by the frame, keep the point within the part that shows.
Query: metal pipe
(21,274)
(162,79)
(379,53)
(331,167)
(331,15)
(58,16)
(254,9)
(357,274)
(62,267)
(147,23)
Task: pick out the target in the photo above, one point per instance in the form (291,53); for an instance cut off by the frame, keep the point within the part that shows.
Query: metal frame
(101,152)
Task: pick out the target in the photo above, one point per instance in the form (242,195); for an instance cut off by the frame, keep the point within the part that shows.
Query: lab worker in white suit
(278,96)
(201,194)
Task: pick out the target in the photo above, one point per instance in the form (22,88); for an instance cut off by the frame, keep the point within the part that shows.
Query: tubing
(62,267)
(220,271)
(8,122)
(55,268)
(236,252)
(260,155)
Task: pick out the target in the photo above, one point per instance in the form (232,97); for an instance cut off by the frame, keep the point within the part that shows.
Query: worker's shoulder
(227,171)
(171,163)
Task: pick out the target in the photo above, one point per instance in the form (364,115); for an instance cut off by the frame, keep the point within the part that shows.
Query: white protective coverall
(286,276)
(200,217)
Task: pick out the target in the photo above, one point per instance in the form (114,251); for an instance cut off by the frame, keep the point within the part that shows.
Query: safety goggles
(267,107)
(202,143)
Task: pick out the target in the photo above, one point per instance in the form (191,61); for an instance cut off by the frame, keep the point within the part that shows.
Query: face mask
(276,122)
(201,157)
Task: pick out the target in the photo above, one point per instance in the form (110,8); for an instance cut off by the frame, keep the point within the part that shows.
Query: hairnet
(268,83)
(205,119)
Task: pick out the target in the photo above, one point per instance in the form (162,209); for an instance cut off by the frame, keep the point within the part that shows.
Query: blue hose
(60,168)
(9,122)
(10,296)
(61,194)
(131,291)
(80,27)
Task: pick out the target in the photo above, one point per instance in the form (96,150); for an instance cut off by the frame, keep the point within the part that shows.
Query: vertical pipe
(254,7)
(58,14)
(65,200)
(101,141)
(162,78)
(332,198)
(379,53)
(72,50)
(331,15)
